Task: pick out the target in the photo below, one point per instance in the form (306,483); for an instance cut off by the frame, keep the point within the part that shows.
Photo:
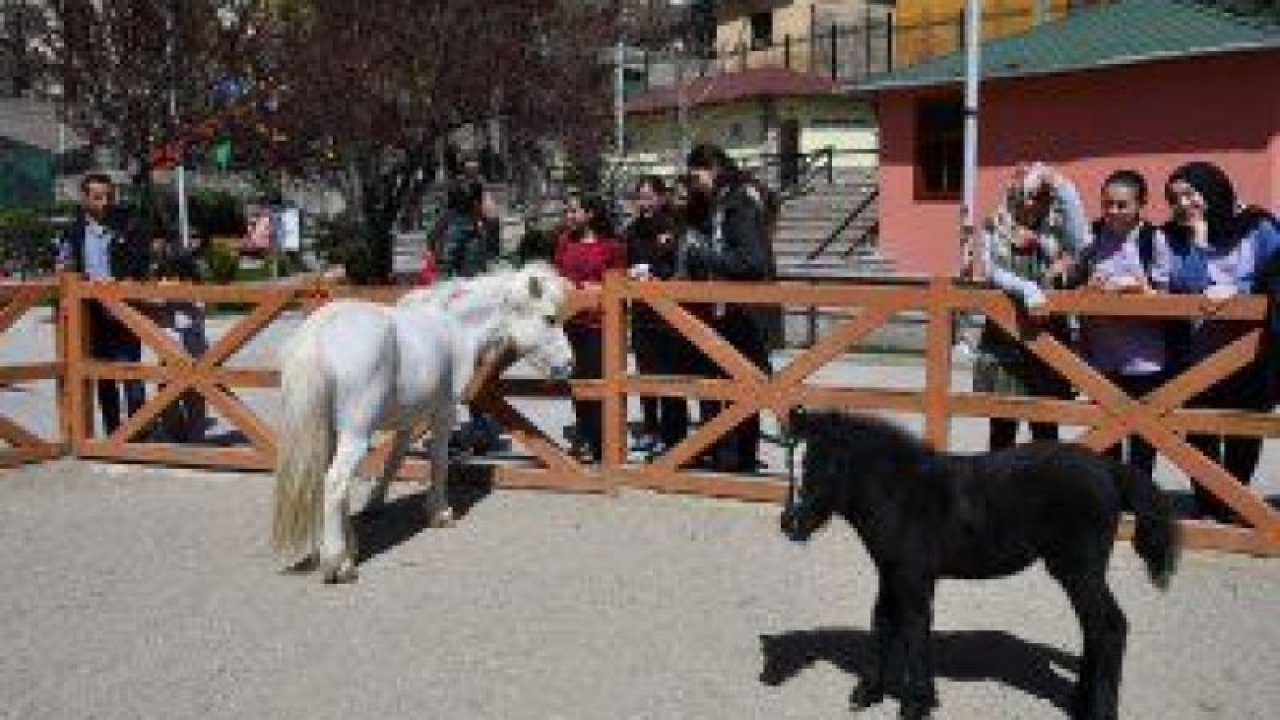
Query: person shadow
(961,655)
(401,518)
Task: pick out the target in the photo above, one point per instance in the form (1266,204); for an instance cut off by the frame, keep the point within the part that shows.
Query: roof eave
(1113,62)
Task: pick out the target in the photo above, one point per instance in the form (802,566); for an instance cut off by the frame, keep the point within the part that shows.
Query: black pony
(925,515)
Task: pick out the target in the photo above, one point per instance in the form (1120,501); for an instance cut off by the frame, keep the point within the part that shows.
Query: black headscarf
(1219,197)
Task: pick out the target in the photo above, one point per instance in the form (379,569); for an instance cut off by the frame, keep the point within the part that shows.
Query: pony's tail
(305,449)
(1156,537)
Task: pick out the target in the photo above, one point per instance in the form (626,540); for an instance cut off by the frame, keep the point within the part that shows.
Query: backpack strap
(1147,247)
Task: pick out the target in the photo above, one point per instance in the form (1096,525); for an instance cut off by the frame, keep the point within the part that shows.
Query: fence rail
(1107,413)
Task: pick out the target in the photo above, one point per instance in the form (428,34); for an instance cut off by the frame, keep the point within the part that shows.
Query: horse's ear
(535,287)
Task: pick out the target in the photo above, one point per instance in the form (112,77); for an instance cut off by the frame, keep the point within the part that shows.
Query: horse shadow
(961,655)
(402,518)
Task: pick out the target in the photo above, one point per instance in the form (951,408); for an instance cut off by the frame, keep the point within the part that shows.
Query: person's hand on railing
(1220,293)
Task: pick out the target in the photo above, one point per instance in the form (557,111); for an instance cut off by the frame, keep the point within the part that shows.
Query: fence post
(786,51)
(613,375)
(937,379)
(78,422)
(60,355)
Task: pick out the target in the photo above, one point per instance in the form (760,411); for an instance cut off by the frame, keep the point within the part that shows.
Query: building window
(761,30)
(939,148)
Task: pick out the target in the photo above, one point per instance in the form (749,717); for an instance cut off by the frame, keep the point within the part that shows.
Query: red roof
(730,87)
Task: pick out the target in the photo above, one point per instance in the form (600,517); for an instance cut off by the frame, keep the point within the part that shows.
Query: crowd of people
(1210,245)
(717,230)
(718,226)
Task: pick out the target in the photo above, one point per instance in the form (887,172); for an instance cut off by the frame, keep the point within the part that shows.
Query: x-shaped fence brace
(178,371)
(24,445)
(1123,415)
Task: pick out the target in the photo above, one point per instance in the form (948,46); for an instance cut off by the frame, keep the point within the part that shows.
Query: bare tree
(368,91)
(115,63)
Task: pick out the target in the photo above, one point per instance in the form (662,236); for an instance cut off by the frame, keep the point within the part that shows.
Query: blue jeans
(108,391)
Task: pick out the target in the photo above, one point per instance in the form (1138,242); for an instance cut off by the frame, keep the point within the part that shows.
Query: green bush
(217,213)
(223,260)
(343,241)
(27,238)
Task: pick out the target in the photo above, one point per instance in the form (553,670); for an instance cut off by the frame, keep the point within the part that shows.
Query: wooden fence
(1107,412)
(17,301)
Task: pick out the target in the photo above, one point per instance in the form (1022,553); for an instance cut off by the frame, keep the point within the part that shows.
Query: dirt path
(134,593)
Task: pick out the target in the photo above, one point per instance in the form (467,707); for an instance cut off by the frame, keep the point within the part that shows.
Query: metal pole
(184,232)
(1041,12)
(619,100)
(682,118)
(973,57)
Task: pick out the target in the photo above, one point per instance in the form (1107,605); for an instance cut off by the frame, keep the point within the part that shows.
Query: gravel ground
(136,593)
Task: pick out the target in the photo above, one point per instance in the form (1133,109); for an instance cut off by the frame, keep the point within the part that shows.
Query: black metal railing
(845,224)
(846,52)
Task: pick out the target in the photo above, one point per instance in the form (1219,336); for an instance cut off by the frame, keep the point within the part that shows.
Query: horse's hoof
(865,696)
(916,710)
(340,572)
(443,519)
(304,564)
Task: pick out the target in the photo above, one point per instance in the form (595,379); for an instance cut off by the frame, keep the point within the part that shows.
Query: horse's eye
(551,320)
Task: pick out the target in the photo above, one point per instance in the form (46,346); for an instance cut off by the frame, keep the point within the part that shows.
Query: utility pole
(973,65)
(184,231)
(682,115)
(620,99)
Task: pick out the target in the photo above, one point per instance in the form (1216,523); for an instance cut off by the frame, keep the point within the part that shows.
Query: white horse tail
(305,449)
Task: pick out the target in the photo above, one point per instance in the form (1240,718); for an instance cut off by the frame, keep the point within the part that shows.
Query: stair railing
(844,225)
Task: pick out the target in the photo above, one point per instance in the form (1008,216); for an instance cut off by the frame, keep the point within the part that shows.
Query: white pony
(354,367)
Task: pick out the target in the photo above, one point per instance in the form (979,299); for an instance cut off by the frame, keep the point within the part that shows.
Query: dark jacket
(736,246)
(643,248)
(130,260)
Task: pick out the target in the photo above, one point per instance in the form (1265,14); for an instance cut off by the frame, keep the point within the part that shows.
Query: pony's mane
(855,436)
(462,295)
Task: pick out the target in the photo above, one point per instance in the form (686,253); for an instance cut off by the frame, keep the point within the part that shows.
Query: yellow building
(928,28)
(775,85)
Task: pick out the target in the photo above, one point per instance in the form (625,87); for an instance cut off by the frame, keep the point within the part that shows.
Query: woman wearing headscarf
(1218,250)
(1026,247)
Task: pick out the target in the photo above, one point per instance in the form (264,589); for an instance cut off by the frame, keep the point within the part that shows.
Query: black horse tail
(1156,536)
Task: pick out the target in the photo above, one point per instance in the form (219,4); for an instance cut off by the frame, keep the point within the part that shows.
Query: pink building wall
(1150,117)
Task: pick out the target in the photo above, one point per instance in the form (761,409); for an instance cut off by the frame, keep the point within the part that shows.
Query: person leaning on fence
(468,240)
(1126,255)
(104,243)
(585,252)
(1218,250)
(463,245)
(651,251)
(184,322)
(1026,247)
(727,239)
